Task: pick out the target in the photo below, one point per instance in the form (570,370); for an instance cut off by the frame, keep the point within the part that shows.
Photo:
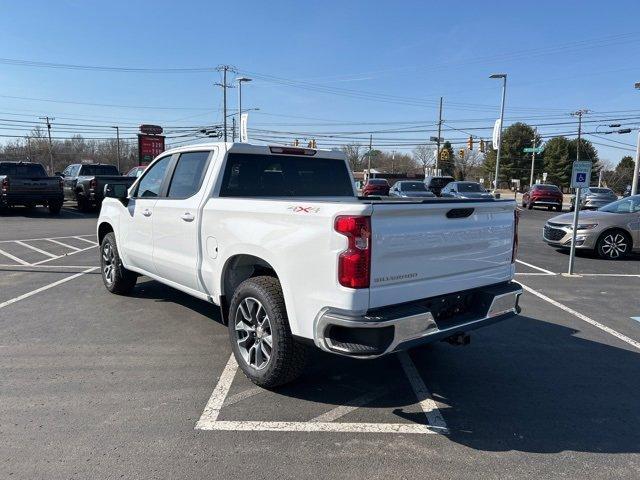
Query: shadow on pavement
(525,385)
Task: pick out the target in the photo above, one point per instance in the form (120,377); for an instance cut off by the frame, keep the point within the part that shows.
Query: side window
(67,171)
(188,174)
(150,184)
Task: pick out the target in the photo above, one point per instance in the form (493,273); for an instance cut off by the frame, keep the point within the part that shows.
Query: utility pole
(233,129)
(439,133)
(503,76)
(118,146)
(576,204)
(48,120)
(369,158)
(636,168)
(533,156)
(393,161)
(224,69)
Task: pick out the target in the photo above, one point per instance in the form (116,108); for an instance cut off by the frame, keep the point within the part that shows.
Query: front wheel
(55,207)
(530,205)
(260,335)
(115,277)
(558,208)
(613,245)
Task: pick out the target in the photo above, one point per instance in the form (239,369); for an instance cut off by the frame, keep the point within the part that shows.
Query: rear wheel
(550,207)
(55,207)
(558,208)
(260,336)
(115,277)
(613,245)
(530,205)
(83,204)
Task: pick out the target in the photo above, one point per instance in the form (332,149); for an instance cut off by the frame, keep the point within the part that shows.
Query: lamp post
(240,80)
(503,76)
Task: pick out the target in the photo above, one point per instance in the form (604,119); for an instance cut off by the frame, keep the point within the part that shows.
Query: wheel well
(240,267)
(103,229)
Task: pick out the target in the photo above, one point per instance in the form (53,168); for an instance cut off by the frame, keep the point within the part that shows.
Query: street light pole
(438,140)
(503,76)
(533,156)
(48,120)
(118,145)
(240,80)
(636,167)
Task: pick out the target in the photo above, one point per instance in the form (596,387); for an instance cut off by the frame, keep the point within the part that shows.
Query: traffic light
(470,143)
(312,144)
(296,142)
(444,154)
(461,153)
(481,146)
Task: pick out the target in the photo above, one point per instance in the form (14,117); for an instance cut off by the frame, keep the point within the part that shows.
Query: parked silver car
(593,198)
(465,190)
(410,188)
(612,231)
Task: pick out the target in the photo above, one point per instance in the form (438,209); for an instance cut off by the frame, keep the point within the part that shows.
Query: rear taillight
(93,184)
(514,249)
(354,264)
(5,185)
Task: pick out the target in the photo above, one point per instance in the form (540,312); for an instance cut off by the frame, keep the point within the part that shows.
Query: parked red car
(376,186)
(544,195)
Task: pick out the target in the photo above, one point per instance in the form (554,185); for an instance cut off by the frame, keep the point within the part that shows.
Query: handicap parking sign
(581,174)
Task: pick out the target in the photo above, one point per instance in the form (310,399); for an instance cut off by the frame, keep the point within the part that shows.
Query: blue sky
(372,64)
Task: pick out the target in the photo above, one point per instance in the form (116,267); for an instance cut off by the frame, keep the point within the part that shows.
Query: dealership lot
(96,385)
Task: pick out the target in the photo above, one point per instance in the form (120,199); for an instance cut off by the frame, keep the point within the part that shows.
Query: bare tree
(424,156)
(467,163)
(354,157)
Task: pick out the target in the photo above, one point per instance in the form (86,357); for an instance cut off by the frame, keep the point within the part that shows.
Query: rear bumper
(404,326)
(546,202)
(40,198)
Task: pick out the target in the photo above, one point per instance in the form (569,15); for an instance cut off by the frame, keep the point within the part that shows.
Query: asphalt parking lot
(100,386)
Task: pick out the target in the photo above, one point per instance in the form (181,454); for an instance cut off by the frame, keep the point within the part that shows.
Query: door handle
(146,212)
(187,217)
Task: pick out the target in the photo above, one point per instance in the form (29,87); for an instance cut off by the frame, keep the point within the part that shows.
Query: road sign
(581,174)
(244,135)
(151,129)
(544,176)
(149,147)
(435,139)
(531,149)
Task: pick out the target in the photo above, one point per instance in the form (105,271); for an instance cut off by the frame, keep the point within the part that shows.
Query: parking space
(144,385)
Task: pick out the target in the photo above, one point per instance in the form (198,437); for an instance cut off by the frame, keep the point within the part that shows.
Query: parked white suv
(277,237)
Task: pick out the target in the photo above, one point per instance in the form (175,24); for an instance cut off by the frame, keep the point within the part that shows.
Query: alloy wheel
(253,333)
(614,245)
(108,263)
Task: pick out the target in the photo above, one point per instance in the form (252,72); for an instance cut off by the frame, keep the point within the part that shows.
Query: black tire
(118,279)
(617,238)
(55,207)
(550,207)
(558,208)
(530,205)
(287,358)
(83,204)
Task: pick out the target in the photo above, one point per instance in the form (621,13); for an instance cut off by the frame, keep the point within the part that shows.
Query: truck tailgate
(35,185)
(429,249)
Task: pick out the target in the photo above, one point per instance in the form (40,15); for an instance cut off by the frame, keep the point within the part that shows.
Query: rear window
(439,182)
(248,175)
(378,181)
(470,187)
(547,188)
(413,187)
(600,190)
(99,170)
(22,169)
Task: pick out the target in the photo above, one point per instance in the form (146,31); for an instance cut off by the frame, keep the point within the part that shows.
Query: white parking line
(36,249)
(70,247)
(28,267)
(238,397)
(548,272)
(65,255)
(48,238)
(85,240)
(350,406)
(209,418)
(584,318)
(15,259)
(46,287)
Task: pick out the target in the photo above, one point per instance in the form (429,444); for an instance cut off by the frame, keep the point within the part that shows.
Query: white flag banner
(497,127)
(244,136)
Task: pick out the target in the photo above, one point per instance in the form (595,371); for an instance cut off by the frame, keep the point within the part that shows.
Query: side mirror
(118,192)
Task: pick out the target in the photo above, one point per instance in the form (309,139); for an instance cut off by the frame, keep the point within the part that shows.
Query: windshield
(547,188)
(626,205)
(439,182)
(22,169)
(99,170)
(413,187)
(470,187)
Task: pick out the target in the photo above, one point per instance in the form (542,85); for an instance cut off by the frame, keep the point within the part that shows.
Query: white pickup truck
(278,238)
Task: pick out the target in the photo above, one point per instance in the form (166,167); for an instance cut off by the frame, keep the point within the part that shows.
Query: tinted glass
(470,187)
(22,169)
(626,205)
(284,176)
(413,187)
(99,170)
(546,188)
(439,182)
(600,190)
(378,181)
(188,175)
(152,181)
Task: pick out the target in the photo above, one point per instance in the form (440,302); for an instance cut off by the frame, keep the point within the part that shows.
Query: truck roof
(233,147)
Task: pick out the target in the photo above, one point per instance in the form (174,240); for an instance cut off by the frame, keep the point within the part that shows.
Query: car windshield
(413,187)
(22,169)
(470,187)
(439,182)
(626,205)
(601,190)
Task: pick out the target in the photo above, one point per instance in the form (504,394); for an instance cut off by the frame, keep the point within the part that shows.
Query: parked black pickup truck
(84,183)
(27,184)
